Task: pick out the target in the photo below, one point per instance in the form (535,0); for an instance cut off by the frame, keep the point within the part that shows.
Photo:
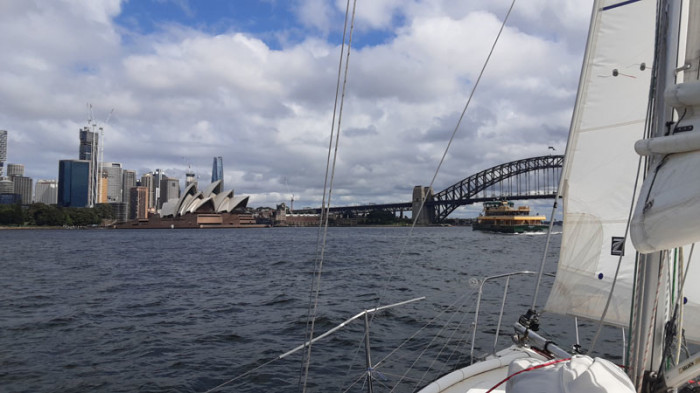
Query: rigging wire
(444,346)
(444,326)
(328,185)
(447,148)
(619,261)
(639,283)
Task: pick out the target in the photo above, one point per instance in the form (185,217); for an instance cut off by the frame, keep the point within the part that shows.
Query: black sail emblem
(617,247)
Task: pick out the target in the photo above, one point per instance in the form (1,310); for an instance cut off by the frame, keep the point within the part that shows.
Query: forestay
(599,174)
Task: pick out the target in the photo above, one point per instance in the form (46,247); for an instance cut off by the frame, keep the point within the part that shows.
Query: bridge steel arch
(543,171)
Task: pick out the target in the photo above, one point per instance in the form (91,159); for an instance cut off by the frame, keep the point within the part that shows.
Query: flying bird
(552,148)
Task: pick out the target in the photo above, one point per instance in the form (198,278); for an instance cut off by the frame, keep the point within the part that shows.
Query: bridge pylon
(421,206)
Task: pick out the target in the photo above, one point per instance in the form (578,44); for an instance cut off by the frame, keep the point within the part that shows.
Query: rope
(528,369)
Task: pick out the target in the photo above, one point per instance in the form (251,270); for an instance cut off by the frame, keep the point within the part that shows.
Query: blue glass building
(217,171)
(73,183)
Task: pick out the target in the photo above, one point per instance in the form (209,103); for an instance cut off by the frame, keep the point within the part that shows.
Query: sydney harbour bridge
(530,178)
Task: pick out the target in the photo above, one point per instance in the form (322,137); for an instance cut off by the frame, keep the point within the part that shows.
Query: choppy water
(185,310)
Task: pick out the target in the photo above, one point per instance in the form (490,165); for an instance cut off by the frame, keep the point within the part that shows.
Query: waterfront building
(157,178)
(217,170)
(119,211)
(214,199)
(3,150)
(114,181)
(147,181)
(128,181)
(46,191)
(15,170)
(103,191)
(88,151)
(169,189)
(23,187)
(7,192)
(73,183)
(6,186)
(138,203)
(10,199)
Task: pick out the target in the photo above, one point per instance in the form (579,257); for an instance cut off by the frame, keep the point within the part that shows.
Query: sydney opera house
(212,200)
(211,208)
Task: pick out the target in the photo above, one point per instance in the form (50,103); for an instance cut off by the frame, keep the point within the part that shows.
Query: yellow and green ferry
(502,216)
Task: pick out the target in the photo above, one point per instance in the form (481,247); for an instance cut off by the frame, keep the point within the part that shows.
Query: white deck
(482,376)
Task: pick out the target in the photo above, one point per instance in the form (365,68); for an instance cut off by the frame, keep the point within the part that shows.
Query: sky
(254,81)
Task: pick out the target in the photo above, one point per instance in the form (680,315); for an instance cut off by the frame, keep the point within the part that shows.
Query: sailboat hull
(482,376)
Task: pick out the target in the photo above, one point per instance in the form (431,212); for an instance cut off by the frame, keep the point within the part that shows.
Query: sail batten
(600,171)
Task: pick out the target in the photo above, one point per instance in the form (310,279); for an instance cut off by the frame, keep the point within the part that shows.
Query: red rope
(528,369)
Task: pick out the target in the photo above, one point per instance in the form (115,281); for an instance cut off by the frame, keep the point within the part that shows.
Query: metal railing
(368,356)
(507,276)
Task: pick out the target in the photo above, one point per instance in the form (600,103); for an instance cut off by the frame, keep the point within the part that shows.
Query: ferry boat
(502,216)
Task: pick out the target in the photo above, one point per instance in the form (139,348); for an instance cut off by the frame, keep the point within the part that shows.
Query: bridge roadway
(527,179)
(408,206)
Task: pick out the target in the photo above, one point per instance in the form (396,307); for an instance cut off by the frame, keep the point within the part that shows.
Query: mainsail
(600,171)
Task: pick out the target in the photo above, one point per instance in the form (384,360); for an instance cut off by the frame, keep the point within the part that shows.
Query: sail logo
(617,247)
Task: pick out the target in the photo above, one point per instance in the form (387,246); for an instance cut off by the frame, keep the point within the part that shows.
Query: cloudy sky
(254,81)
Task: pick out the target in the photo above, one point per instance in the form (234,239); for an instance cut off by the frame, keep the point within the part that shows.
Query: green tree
(11,214)
(104,211)
(83,216)
(46,215)
(381,217)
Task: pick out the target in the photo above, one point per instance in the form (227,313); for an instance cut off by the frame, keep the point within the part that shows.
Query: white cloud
(181,95)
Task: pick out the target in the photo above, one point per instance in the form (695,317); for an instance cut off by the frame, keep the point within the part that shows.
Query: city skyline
(176,83)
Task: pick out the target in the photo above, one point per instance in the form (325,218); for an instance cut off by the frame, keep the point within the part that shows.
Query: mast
(650,313)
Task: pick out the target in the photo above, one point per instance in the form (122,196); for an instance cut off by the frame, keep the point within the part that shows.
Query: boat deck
(481,376)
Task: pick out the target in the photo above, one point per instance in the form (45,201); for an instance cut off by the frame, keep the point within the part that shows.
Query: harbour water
(186,310)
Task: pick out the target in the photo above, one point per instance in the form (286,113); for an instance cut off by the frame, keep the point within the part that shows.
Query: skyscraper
(147,181)
(158,176)
(89,148)
(217,171)
(128,181)
(15,170)
(169,189)
(6,186)
(7,192)
(103,188)
(46,191)
(23,187)
(138,203)
(114,181)
(3,150)
(88,144)
(73,183)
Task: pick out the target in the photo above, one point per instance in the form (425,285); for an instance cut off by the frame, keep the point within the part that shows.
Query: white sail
(599,175)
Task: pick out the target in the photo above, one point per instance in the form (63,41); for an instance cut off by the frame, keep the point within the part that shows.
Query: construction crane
(97,157)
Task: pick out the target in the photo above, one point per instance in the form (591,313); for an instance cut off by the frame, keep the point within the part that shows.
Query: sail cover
(667,214)
(600,170)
